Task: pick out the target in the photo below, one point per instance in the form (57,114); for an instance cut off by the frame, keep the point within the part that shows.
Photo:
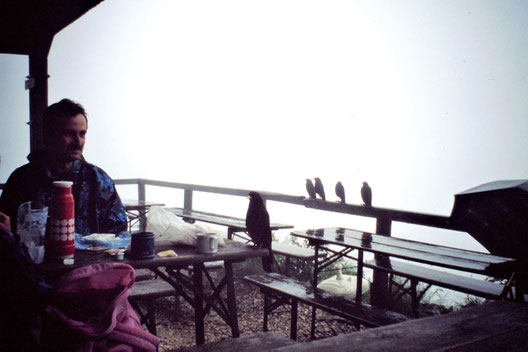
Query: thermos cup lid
(62,183)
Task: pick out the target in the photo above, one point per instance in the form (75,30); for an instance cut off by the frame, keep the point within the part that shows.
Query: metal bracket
(29,83)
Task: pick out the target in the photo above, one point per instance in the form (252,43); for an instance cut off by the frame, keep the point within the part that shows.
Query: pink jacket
(90,312)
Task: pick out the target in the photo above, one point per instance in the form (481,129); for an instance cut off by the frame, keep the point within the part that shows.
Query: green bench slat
(362,313)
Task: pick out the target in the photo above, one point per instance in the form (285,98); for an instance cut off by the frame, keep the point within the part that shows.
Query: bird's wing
(257,221)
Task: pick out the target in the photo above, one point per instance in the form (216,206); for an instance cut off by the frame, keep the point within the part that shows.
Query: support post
(141,199)
(38,96)
(187,199)
(379,290)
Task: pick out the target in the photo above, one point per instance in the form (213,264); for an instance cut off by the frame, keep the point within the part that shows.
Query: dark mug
(142,245)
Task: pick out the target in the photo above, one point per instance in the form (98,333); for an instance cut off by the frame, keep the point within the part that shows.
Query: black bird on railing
(258,226)
(366,194)
(340,191)
(310,189)
(319,189)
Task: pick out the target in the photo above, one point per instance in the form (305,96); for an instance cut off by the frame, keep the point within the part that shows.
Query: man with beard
(98,208)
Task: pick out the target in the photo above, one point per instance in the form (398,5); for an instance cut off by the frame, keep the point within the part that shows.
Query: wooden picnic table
(137,211)
(445,257)
(191,289)
(237,229)
(233,224)
(493,326)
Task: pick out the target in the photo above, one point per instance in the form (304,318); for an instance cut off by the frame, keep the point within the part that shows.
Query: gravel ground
(176,330)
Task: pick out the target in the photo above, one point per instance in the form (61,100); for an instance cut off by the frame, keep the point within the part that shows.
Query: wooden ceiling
(27,27)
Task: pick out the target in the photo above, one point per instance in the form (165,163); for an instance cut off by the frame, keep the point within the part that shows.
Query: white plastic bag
(31,227)
(167,226)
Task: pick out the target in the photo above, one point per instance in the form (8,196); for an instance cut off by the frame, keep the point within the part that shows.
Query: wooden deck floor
(494,326)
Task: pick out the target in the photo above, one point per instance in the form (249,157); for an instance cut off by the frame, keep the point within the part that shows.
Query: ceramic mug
(207,243)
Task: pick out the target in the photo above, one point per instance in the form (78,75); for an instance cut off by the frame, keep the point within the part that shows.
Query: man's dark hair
(55,114)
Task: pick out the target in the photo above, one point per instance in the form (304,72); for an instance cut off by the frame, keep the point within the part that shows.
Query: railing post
(187,199)
(141,198)
(379,289)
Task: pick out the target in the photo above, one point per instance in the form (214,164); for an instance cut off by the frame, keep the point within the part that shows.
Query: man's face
(67,142)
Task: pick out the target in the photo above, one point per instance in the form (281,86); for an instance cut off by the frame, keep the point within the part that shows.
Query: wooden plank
(261,341)
(495,266)
(486,326)
(294,251)
(287,250)
(134,204)
(151,289)
(427,247)
(186,255)
(238,223)
(440,278)
(432,276)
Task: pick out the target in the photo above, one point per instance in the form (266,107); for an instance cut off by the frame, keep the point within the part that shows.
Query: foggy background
(422,99)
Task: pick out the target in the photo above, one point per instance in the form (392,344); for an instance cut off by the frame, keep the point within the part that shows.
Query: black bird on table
(258,226)
(340,191)
(366,194)
(319,189)
(310,189)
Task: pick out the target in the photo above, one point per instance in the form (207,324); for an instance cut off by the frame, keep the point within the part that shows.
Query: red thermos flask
(61,239)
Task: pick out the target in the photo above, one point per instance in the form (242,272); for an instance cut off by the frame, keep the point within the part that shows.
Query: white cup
(207,243)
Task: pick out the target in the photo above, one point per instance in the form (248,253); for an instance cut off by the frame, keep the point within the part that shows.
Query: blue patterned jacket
(98,208)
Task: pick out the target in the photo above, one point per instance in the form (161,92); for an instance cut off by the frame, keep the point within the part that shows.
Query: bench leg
(287,265)
(267,303)
(198,304)
(231,301)
(151,317)
(391,284)
(312,328)
(414,298)
(177,307)
(293,324)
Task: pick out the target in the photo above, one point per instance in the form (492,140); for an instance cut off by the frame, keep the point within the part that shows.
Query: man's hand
(5,224)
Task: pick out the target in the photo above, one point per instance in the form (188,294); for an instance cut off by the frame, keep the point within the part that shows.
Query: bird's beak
(249,197)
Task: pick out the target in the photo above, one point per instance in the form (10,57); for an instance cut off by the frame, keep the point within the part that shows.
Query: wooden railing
(384,216)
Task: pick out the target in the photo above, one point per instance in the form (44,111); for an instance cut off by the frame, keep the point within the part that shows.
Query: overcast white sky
(422,99)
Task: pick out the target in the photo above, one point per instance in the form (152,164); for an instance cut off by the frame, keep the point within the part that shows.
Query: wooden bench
(148,291)
(136,211)
(493,326)
(289,251)
(147,288)
(261,341)
(293,251)
(279,290)
(430,276)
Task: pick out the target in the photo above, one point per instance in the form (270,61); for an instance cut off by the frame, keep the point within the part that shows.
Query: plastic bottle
(61,237)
